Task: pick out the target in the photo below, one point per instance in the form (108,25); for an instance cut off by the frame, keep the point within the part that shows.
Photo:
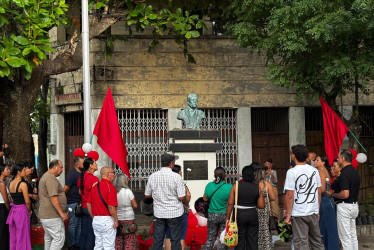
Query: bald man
(103,210)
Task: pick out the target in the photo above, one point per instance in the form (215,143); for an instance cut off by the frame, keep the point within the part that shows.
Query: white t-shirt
(304,180)
(124,209)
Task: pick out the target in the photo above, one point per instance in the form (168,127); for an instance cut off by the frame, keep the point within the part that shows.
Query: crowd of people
(319,201)
(106,208)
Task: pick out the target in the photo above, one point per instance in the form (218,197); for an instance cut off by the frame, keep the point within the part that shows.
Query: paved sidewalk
(144,222)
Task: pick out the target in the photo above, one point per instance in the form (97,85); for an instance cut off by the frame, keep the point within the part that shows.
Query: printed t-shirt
(50,186)
(219,202)
(88,179)
(109,194)
(304,181)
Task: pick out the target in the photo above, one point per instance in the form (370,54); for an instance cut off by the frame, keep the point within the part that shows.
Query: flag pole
(86,72)
(357,140)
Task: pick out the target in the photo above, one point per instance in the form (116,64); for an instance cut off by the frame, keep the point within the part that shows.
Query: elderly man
(346,201)
(168,191)
(52,206)
(191,116)
(101,205)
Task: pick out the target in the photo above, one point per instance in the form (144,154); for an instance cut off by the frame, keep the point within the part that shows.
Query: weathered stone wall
(224,75)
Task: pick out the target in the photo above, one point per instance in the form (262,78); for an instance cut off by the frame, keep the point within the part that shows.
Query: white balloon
(361,158)
(87,147)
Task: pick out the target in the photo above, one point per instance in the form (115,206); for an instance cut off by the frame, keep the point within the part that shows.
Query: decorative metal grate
(145,133)
(146,137)
(225,120)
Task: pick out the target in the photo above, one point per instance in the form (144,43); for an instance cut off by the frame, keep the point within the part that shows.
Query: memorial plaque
(199,170)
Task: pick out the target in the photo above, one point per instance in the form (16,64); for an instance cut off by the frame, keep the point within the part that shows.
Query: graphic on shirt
(306,190)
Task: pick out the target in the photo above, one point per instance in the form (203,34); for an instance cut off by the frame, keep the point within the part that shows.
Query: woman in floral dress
(264,236)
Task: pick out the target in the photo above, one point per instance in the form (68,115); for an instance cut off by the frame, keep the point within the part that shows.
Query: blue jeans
(87,240)
(74,229)
(159,229)
(184,225)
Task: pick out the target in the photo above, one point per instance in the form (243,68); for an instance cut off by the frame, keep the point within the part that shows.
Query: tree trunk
(42,135)
(17,132)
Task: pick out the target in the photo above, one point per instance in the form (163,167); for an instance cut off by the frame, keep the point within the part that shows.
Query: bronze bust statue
(191,116)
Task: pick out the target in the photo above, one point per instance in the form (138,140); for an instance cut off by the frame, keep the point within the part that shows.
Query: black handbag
(78,211)
(202,206)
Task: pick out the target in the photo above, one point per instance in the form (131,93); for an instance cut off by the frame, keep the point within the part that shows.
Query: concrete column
(296,120)
(244,137)
(104,159)
(347,113)
(58,139)
(173,122)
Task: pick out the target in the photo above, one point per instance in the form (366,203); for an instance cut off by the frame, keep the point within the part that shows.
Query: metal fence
(146,136)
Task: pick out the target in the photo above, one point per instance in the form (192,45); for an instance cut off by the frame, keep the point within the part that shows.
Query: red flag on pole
(109,135)
(334,131)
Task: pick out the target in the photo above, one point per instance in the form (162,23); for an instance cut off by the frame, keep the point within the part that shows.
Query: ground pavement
(144,222)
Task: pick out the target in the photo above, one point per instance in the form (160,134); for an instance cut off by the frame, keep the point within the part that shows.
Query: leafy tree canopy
(24,25)
(324,46)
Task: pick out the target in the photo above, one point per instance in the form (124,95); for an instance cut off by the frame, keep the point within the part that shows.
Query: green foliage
(40,110)
(368,203)
(311,46)
(24,27)
(24,41)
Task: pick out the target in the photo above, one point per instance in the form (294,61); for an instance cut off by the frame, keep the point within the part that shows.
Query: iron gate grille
(146,137)
(225,120)
(145,134)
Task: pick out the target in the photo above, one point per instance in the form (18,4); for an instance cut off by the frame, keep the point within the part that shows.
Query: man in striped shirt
(167,190)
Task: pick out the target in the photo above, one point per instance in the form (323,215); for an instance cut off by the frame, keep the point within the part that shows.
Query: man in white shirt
(303,197)
(167,190)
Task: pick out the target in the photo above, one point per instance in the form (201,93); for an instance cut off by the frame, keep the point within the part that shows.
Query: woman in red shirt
(85,184)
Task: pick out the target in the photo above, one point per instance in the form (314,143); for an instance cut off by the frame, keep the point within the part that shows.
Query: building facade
(256,119)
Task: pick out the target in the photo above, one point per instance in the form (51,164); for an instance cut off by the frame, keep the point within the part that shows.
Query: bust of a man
(191,116)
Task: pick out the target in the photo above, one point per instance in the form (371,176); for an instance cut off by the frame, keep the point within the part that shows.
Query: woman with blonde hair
(125,213)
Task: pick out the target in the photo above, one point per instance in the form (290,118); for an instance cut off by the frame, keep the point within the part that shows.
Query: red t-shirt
(109,194)
(88,181)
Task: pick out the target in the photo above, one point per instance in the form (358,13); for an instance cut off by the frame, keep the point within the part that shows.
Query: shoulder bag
(78,211)
(231,234)
(272,219)
(202,206)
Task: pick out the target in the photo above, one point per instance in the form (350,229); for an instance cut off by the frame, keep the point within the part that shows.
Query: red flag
(109,135)
(334,131)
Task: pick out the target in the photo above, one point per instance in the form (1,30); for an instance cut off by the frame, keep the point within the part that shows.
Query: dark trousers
(4,228)
(87,237)
(159,229)
(247,221)
(306,231)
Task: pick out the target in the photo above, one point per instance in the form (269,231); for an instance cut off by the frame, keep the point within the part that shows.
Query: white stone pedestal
(195,145)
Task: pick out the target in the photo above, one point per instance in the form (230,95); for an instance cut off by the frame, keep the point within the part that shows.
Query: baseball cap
(166,159)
